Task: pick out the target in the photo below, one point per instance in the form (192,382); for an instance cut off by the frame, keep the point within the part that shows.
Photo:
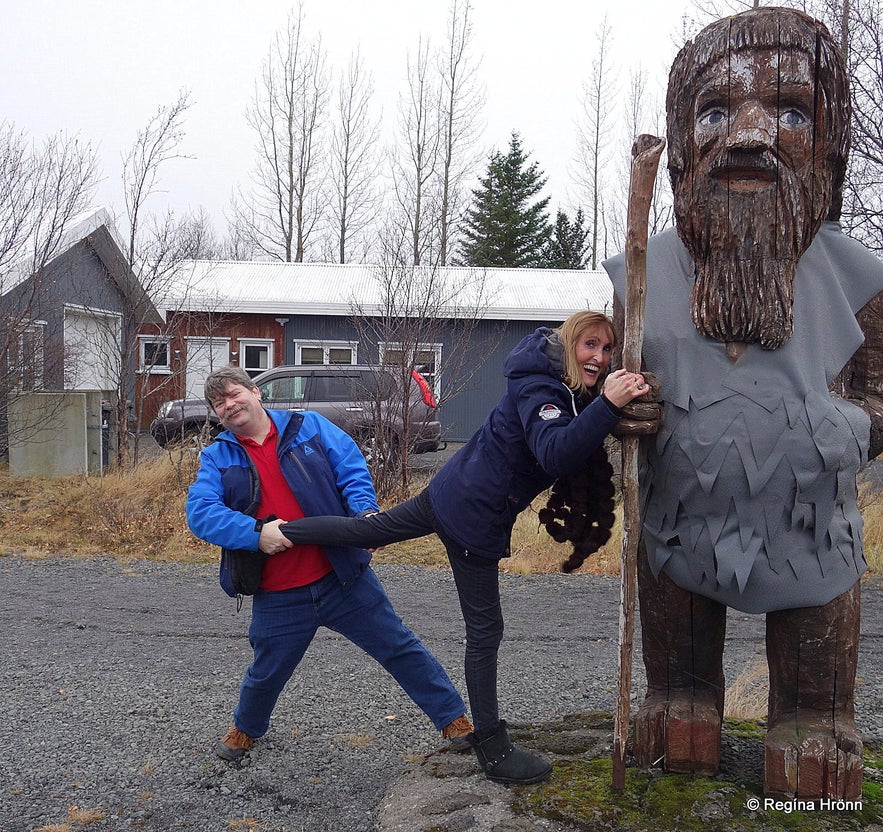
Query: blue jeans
(477,580)
(283,625)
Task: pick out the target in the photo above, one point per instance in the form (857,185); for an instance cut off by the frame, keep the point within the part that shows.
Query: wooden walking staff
(646,153)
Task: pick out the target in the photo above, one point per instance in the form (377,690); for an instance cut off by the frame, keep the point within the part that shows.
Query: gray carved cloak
(748,492)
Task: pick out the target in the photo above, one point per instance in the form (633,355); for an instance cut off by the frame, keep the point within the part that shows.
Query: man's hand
(272,540)
(642,416)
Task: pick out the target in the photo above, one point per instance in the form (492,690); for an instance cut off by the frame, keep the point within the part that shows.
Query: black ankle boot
(503,762)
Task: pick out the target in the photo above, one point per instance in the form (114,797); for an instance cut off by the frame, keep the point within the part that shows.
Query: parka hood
(540,352)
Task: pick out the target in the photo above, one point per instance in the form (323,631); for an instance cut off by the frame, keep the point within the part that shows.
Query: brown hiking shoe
(459,733)
(233,745)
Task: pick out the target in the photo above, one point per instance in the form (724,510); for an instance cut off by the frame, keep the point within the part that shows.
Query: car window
(374,385)
(290,391)
(337,388)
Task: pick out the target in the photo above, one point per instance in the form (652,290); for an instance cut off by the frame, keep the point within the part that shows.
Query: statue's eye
(792,117)
(711,117)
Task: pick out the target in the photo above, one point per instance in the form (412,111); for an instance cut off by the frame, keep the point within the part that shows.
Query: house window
(255,355)
(154,355)
(25,357)
(325,352)
(426,360)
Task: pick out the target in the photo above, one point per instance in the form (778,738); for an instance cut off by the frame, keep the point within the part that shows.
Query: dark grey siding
(472,382)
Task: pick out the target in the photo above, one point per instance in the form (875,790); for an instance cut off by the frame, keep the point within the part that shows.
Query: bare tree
(644,114)
(863,198)
(170,287)
(593,131)
(354,161)
(42,191)
(153,249)
(704,11)
(426,321)
(287,114)
(415,160)
(461,101)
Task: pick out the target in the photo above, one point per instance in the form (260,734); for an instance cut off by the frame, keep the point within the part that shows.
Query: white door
(91,349)
(203,356)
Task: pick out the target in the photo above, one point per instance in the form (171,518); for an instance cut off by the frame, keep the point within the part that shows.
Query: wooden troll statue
(748,491)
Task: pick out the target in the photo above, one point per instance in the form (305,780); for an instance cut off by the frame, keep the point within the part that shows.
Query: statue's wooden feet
(681,730)
(808,756)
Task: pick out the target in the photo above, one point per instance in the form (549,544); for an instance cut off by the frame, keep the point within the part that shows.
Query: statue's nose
(753,128)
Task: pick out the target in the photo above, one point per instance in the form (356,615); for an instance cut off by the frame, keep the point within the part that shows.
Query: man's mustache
(762,160)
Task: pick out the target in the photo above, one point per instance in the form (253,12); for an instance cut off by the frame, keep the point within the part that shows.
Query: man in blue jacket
(285,465)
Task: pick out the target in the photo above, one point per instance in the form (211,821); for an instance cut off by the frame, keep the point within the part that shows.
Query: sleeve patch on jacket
(549,411)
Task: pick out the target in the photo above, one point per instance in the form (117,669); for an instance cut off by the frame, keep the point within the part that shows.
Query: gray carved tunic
(749,490)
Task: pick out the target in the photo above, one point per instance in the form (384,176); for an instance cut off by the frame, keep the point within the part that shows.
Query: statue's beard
(745,247)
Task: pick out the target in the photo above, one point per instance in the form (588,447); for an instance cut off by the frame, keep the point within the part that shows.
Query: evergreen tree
(506,225)
(569,246)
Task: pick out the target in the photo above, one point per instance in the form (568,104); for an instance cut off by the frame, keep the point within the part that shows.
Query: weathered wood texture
(646,153)
(812,746)
(679,721)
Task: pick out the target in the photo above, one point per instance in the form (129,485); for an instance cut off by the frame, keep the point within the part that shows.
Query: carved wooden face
(754,113)
(755,189)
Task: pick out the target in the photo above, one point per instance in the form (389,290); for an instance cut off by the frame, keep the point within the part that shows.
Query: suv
(356,397)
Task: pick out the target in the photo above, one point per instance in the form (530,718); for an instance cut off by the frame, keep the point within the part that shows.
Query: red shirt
(303,563)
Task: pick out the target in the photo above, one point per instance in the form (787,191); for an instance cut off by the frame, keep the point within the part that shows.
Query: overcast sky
(100,68)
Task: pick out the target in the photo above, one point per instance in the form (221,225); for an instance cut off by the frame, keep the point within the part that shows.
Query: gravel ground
(117,678)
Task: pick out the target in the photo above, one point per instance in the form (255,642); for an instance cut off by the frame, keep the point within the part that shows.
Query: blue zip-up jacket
(321,464)
(535,435)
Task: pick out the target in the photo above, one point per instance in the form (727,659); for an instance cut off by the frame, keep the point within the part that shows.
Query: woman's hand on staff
(621,387)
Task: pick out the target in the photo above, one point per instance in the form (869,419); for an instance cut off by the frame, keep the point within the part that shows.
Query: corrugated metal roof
(333,289)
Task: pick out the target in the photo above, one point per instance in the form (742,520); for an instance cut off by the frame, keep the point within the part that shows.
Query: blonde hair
(569,333)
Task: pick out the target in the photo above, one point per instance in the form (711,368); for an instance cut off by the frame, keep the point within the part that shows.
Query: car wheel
(377,453)
(195,437)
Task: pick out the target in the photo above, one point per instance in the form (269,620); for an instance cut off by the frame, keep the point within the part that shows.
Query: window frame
(326,347)
(154,369)
(28,354)
(269,343)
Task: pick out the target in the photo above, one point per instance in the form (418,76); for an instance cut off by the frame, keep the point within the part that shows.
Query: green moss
(580,794)
(750,728)
(873,756)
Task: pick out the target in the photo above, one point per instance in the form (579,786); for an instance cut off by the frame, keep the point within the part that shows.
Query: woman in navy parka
(551,420)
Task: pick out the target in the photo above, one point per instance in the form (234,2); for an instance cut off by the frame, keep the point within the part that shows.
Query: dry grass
(870,501)
(76,819)
(140,514)
(85,816)
(747,697)
(360,740)
(136,514)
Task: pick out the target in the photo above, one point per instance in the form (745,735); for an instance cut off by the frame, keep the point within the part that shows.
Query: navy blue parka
(537,433)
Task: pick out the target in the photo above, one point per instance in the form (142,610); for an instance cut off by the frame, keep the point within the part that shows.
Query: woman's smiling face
(593,350)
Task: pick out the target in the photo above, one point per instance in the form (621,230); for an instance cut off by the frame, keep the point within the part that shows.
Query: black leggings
(407,520)
(476,578)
